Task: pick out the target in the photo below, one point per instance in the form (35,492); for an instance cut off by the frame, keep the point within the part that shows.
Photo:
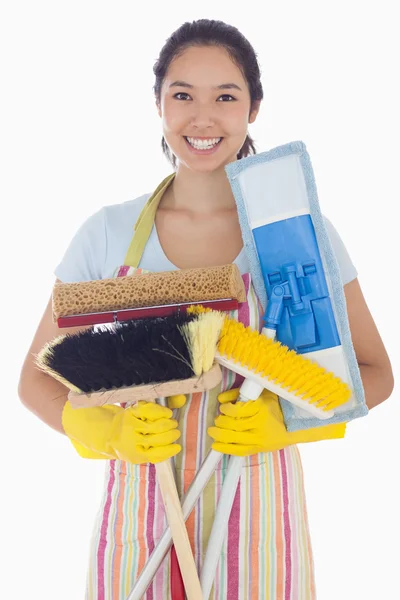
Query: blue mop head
(295,418)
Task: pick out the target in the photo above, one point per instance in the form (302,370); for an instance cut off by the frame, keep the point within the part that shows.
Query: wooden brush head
(131,395)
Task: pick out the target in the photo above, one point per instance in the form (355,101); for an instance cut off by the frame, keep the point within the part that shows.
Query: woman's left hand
(245,428)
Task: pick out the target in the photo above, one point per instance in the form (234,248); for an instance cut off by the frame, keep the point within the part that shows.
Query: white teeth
(203,144)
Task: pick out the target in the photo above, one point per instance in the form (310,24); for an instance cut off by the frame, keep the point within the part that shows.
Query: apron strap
(144,224)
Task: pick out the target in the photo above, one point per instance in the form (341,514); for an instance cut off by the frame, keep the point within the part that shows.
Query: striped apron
(267,551)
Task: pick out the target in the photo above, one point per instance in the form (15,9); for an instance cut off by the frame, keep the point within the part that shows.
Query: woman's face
(205,108)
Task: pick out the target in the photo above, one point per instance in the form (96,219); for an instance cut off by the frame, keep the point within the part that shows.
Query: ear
(254,111)
(158,109)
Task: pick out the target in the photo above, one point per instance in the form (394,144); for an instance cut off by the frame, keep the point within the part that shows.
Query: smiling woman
(204,128)
(195,75)
(207,92)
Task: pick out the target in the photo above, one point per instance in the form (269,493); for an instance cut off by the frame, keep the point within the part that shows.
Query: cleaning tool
(294,270)
(266,364)
(104,365)
(146,295)
(297,279)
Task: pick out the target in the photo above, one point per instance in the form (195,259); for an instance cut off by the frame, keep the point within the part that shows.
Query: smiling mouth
(208,144)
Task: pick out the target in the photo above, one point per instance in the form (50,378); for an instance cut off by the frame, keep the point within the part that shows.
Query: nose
(203,116)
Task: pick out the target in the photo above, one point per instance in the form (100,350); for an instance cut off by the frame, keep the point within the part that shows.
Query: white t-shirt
(102,241)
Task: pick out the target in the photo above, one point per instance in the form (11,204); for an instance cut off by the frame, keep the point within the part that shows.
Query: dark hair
(205,32)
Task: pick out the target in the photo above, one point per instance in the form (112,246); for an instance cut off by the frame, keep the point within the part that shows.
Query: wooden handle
(179,533)
(132,394)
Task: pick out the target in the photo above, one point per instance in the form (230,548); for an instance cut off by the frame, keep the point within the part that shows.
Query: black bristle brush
(95,363)
(130,353)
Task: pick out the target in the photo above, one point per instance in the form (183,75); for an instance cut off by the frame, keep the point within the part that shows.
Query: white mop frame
(271,205)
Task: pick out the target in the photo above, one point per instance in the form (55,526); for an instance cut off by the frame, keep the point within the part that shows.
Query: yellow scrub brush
(265,363)
(269,364)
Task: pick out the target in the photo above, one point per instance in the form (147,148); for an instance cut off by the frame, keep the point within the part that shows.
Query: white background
(79,130)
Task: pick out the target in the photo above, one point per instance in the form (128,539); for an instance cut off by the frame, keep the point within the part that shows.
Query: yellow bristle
(320,387)
(274,361)
(197,309)
(202,336)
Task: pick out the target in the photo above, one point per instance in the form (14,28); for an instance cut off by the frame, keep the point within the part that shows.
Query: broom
(142,359)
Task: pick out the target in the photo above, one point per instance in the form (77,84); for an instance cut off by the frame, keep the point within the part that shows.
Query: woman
(207,91)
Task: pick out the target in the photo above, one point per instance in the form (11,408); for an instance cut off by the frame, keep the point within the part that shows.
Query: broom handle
(180,537)
(188,501)
(172,504)
(177,585)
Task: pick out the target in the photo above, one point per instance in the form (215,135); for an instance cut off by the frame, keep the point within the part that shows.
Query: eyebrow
(224,86)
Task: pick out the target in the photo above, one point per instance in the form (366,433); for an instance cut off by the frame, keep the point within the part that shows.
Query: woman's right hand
(139,434)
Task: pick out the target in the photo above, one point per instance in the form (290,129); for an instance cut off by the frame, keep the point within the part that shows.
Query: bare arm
(375,368)
(40,393)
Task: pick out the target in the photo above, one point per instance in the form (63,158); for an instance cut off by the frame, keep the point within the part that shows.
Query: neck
(200,192)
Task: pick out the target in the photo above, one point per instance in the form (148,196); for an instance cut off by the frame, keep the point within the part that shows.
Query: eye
(180,94)
(227,96)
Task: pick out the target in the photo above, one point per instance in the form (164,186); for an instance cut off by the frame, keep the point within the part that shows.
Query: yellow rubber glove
(246,428)
(139,434)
